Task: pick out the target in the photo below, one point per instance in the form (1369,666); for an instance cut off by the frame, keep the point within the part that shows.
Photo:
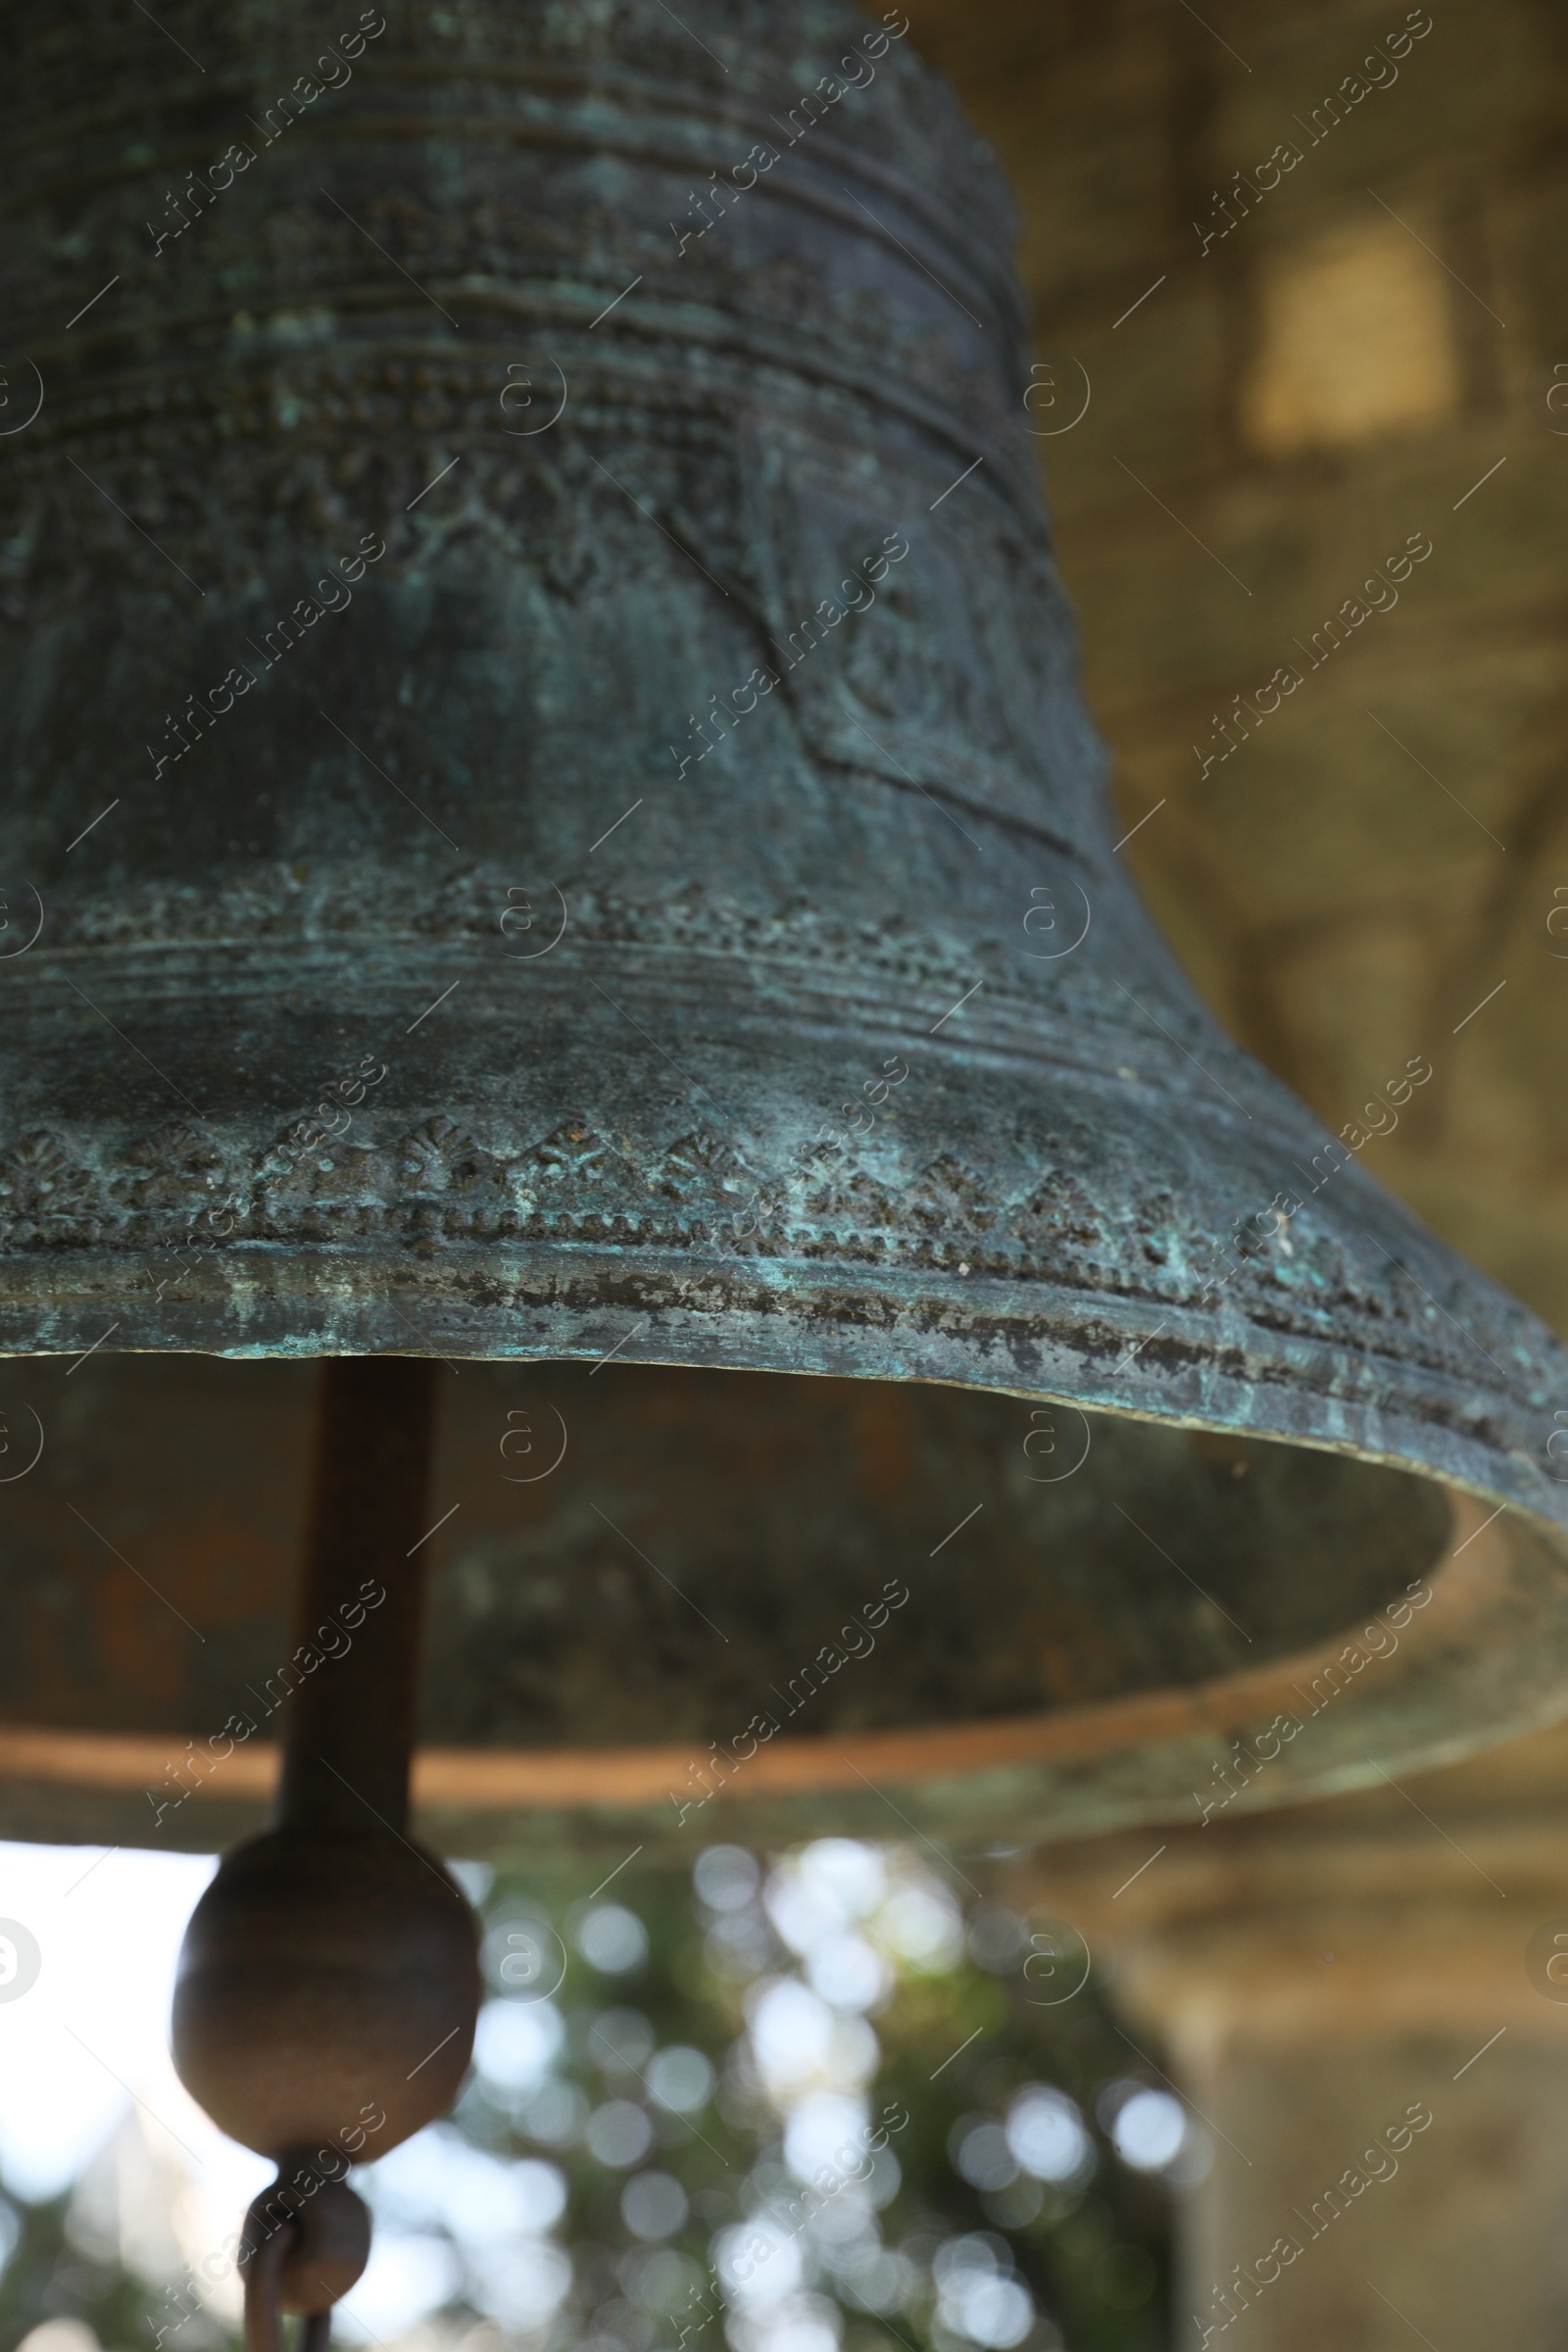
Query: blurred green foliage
(952,2014)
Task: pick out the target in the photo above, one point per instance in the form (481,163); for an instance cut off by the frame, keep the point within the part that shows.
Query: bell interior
(624,1554)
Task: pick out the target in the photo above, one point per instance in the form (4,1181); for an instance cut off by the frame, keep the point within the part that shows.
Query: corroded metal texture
(539,541)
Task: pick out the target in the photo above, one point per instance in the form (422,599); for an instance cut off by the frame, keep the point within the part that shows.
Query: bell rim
(819,1317)
(1062,1774)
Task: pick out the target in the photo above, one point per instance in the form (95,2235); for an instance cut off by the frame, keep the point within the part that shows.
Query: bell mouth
(668,1602)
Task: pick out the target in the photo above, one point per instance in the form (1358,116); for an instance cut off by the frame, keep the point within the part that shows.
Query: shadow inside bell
(632,1555)
(841,1554)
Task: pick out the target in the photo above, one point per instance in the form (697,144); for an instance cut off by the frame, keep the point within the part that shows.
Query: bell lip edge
(584,1782)
(1472,1483)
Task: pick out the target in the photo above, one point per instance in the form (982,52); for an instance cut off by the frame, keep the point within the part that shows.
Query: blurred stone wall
(1370,328)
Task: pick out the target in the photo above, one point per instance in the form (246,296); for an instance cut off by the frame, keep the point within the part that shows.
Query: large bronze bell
(550,826)
(548,820)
